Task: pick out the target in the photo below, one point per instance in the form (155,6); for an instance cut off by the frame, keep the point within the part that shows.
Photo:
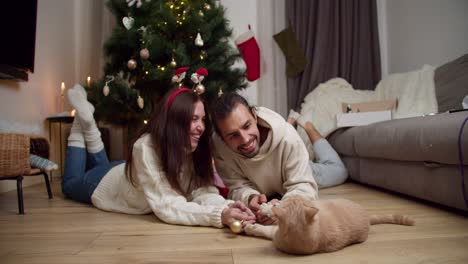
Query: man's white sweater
(115,193)
(281,165)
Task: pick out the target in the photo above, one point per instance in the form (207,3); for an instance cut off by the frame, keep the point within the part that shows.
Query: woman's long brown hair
(170,133)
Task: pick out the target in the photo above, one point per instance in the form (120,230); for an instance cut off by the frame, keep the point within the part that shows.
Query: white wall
(241,13)
(25,105)
(418,32)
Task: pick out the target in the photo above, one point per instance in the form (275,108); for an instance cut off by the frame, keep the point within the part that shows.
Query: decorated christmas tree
(152,44)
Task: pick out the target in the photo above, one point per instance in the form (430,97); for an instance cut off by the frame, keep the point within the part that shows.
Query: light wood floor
(63,231)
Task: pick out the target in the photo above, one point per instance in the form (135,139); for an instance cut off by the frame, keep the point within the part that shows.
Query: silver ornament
(198,40)
(141,102)
(128,22)
(144,54)
(106,90)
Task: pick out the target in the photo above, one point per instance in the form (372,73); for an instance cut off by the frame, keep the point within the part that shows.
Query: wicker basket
(14,155)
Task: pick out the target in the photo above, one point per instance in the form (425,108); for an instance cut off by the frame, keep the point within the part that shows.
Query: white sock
(84,113)
(293,114)
(76,138)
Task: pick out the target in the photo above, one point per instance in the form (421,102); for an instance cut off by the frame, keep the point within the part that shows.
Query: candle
(62,88)
(88,80)
(73,112)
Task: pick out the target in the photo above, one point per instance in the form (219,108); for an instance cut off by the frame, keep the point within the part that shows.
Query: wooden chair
(15,150)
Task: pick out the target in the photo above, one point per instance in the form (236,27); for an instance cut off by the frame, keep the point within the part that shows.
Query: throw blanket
(415,92)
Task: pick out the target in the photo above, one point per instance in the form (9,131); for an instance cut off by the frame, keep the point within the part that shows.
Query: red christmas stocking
(250,51)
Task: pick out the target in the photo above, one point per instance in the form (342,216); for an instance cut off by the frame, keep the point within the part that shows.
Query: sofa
(416,153)
(416,156)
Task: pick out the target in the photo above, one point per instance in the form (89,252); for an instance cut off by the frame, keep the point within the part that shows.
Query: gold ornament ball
(200,89)
(144,54)
(236,226)
(173,63)
(132,64)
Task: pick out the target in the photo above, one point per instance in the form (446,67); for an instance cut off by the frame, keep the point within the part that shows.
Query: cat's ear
(310,212)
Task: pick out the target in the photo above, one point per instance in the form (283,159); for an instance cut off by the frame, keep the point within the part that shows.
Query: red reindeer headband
(179,75)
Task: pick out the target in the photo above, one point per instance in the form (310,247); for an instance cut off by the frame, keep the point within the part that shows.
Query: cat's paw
(259,230)
(265,209)
(252,229)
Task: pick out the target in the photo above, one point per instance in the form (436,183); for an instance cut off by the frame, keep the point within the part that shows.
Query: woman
(169,172)
(328,169)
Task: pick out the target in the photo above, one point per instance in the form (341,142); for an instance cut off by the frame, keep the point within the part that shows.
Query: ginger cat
(306,227)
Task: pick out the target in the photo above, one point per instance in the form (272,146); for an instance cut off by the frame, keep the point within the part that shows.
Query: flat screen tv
(18,39)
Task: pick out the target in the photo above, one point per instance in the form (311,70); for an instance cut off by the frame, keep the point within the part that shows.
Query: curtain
(339,39)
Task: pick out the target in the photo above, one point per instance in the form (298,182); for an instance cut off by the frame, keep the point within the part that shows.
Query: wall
(419,32)
(241,13)
(65,30)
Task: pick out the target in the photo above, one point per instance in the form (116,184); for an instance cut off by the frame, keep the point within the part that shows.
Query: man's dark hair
(224,105)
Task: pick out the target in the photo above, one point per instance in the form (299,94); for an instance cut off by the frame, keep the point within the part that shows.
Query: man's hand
(265,219)
(237,211)
(256,200)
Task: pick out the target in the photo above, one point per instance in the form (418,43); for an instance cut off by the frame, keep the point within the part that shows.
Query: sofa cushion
(432,139)
(451,84)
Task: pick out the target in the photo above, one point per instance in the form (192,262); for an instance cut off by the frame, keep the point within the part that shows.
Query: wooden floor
(63,231)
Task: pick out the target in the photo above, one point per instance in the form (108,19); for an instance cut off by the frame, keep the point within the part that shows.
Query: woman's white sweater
(153,192)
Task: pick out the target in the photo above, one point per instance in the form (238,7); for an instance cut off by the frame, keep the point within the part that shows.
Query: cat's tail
(391,219)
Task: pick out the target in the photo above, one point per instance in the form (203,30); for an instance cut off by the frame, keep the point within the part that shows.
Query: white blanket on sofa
(414,90)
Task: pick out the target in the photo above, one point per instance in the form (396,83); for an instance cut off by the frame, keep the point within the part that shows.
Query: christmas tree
(152,40)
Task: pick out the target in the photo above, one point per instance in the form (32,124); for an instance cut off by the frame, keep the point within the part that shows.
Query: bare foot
(312,132)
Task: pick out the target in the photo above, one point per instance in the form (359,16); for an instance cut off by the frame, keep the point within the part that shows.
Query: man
(258,154)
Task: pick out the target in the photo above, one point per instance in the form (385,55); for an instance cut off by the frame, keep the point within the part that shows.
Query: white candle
(62,88)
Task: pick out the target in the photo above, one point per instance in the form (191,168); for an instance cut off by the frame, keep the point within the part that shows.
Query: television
(18,39)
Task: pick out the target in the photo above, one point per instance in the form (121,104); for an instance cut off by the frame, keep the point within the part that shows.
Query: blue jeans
(83,172)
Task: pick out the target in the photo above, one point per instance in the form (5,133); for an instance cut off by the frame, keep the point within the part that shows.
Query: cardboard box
(362,118)
(372,106)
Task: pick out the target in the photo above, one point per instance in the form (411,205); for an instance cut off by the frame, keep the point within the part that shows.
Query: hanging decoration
(132,64)
(138,3)
(144,54)
(197,77)
(128,22)
(106,89)
(220,91)
(199,40)
(140,102)
(179,74)
(173,63)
